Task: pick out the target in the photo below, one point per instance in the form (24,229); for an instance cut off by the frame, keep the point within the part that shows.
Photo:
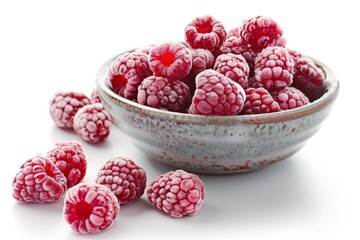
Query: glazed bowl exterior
(217,144)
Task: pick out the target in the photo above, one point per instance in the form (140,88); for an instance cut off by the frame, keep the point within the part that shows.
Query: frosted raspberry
(295,54)
(216,94)
(308,78)
(38,180)
(170,60)
(260,32)
(95,98)
(177,193)
(70,159)
(234,32)
(259,100)
(126,73)
(90,208)
(64,105)
(234,67)
(205,32)
(274,67)
(237,45)
(124,178)
(159,92)
(92,123)
(201,59)
(289,98)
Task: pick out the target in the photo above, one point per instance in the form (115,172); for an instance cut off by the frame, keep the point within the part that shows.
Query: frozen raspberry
(201,59)
(308,78)
(170,60)
(259,100)
(90,208)
(70,159)
(260,32)
(234,32)
(177,193)
(126,73)
(95,98)
(233,66)
(205,32)
(237,45)
(124,178)
(92,123)
(295,54)
(216,94)
(289,98)
(159,92)
(274,67)
(64,105)
(38,180)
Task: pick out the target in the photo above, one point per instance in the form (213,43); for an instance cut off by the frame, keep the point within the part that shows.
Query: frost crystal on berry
(177,193)
(90,208)
(92,123)
(38,180)
(64,106)
(70,159)
(124,178)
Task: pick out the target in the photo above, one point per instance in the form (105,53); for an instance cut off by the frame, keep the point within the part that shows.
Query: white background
(48,46)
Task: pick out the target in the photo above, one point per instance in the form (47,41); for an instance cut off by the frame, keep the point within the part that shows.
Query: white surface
(46,47)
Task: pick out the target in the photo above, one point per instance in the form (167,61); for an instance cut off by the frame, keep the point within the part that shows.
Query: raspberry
(38,180)
(90,208)
(159,92)
(92,123)
(64,105)
(95,98)
(260,32)
(205,32)
(237,45)
(234,67)
(201,59)
(274,67)
(126,73)
(69,158)
(124,178)
(259,100)
(289,98)
(308,78)
(295,54)
(177,193)
(234,32)
(170,60)
(216,94)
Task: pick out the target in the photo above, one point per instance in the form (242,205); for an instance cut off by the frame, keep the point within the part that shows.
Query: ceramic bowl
(217,144)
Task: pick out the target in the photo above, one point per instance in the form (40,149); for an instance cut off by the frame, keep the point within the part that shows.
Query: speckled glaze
(217,144)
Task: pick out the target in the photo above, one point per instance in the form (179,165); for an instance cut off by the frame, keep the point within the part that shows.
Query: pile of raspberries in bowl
(221,101)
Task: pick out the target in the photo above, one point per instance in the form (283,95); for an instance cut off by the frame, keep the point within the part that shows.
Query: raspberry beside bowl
(217,144)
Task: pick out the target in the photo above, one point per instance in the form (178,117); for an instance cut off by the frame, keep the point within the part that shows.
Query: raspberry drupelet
(124,178)
(258,101)
(308,78)
(90,208)
(92,123)
(127,72)
(94,97)
(69,157)
(274,68)
(233,66)
(38,181)
(64,106)
(289,98)
(205,32)
(177,193)
(170,60)
(261,32)
(161,93)
(216,94)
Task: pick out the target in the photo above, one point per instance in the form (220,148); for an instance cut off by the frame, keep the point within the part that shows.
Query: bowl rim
(328,97)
